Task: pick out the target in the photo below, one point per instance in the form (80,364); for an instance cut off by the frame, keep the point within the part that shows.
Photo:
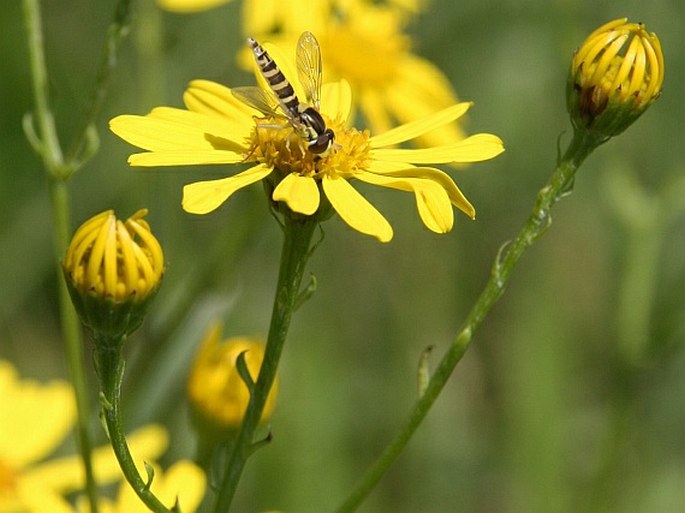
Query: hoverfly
(304,118)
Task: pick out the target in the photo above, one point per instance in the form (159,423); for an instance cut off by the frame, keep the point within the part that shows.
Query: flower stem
(116,34)
(295,253)
(51,153)
(110,370)
(559,184)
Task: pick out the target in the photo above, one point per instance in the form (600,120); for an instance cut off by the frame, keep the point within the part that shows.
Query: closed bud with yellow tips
(615,75)
(113,269)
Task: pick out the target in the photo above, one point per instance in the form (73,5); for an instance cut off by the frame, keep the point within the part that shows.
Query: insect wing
(259,99)
(309,67)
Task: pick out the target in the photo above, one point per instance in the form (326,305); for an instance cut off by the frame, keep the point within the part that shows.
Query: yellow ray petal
(355,210)
(432,201)
(216,100)
(476,148)
(65,475)
(185,158)
(415,97)
(188,6)
(402,170)
(183,479)
(374,111)
(300,193)
(203,197)
(33,497)
(336,100)
(157,132)
(419,74)
(34,417)
(419,127)
(215,128)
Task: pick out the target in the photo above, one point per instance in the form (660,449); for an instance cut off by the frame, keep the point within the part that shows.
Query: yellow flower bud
(113,270)
(217,393)
(615,75)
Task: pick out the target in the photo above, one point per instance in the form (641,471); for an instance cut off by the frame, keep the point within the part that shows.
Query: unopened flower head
(615,75)
(113,269)
(218,128)
(217,393)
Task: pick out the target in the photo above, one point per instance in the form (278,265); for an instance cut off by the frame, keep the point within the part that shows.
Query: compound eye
(323,143)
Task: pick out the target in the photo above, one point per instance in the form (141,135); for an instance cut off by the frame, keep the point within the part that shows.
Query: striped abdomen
(277,81)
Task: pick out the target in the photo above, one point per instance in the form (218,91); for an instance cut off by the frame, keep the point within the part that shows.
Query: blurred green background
(572,397)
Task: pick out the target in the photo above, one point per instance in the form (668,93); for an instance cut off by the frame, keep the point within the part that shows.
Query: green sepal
(106,317)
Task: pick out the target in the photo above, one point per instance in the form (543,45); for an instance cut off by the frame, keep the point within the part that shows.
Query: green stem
(51,154)
(116,34)
(71,332)
(297,238)
(50,147)
(110,370)
(559,184)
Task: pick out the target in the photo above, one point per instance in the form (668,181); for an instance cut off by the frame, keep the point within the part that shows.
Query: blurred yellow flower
(615,75)
(183,480)
(34,420)
(188,6)
(217,128)
(217,393)
(366,44)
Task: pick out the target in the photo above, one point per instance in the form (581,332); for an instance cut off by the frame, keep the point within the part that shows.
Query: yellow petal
(421,75)
(34,417)
(476,148)
(300,193)
(35,498)
(218,130)
(422,90)
(188,6)
(336,100)
(173,129)
(218,101)
(355,210)
(203,197)
(183,480)
(185,158)
(419,127)
(432,200)
(374,110)
(65,475)
(402,170)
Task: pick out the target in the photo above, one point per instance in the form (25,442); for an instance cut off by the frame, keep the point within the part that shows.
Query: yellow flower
(188,6)
(615,75)
(34,419)
(366,44)
(113,270)
(183,480)
(217,128)
(216,391)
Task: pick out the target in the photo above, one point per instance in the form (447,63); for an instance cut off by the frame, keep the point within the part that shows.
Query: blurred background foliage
(572,397)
